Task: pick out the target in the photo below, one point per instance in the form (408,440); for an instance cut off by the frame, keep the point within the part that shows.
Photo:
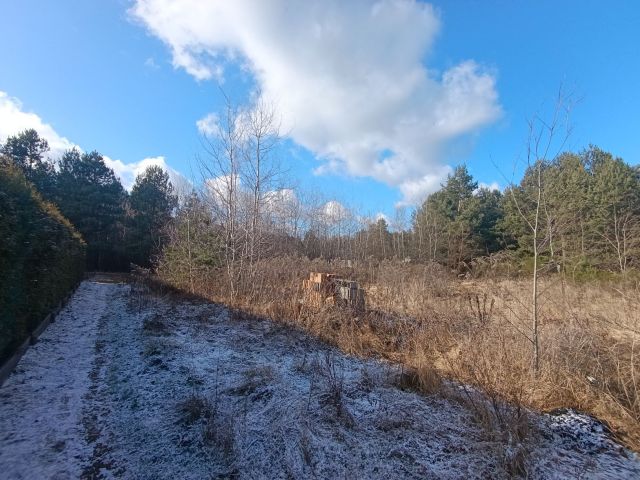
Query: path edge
(11,363)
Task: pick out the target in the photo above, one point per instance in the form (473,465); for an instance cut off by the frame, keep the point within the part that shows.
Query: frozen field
(127,385)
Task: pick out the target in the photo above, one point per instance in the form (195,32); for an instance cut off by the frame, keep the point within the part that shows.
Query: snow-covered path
(41,430)
(127,385)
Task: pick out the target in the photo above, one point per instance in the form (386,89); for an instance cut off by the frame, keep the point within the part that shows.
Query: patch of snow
(41,432)
(127,385)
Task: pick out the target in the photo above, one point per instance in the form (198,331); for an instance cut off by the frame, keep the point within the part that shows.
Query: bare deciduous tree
(240,175)
(546,140)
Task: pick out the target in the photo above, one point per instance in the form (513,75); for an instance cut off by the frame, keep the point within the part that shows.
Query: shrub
(472,331)
(41,258)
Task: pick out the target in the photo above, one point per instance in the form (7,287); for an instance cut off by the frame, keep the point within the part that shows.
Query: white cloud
(415,190)
(217,189)
(209,125)
(284,209)
(277,203)
(490,186)
(13,120)
(127,172)
(334,211)
(382,216)
(348,77)
(283,200)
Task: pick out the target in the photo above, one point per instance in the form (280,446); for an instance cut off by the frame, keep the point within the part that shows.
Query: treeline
(118,227)
(588,209)
(42,257)
(589,215)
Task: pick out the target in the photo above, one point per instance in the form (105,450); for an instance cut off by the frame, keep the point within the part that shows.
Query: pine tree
(152,202)
(458,222)
(92,198)
(194,245)
(27,150)
(615,196)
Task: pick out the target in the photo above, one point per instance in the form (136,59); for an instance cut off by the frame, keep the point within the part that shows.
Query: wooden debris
(327,289)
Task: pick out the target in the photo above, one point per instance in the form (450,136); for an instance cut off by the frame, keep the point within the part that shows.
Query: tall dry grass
(476,332)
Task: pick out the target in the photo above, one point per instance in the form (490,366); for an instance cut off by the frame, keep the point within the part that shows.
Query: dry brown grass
(471,331)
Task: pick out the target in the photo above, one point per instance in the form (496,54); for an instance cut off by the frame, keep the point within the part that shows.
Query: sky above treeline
(379,100)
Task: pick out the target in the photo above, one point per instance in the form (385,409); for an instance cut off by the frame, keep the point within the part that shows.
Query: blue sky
(105,76)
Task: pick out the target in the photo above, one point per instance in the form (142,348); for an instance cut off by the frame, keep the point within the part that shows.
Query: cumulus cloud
(127,172)
(349,78)
(284,210)
(13,120)
(334,211)
(490,186)
(282,200)
(217,189)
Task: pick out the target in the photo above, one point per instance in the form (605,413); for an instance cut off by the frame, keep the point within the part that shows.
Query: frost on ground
(127,385)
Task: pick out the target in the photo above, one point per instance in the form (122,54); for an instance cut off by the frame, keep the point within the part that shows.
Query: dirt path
(127,385)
